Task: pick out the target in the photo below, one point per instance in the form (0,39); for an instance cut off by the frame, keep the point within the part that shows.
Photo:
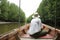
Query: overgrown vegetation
(10,12)
(29,18)
(49,10)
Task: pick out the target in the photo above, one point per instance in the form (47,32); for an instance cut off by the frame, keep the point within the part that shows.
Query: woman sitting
(36,26)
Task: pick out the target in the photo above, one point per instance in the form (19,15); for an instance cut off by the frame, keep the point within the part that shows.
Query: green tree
(11,12)
(29,19)
(4,10)
(47,10)
(50,12)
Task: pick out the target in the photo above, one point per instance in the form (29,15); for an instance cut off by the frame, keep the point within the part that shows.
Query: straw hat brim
(34,16)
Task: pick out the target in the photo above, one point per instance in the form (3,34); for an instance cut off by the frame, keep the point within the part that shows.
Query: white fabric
(35,26)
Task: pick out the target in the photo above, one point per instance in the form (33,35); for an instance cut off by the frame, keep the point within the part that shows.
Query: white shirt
(35,26)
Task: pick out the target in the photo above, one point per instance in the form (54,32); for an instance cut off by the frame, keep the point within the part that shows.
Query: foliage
(29,19)
(11,12)
(49,12)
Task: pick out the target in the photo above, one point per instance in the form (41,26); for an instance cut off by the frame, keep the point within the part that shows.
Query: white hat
(35,14)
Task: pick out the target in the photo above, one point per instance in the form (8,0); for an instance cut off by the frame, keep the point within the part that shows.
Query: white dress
(35,26)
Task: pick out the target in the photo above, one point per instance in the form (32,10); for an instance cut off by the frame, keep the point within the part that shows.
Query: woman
(35,27)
